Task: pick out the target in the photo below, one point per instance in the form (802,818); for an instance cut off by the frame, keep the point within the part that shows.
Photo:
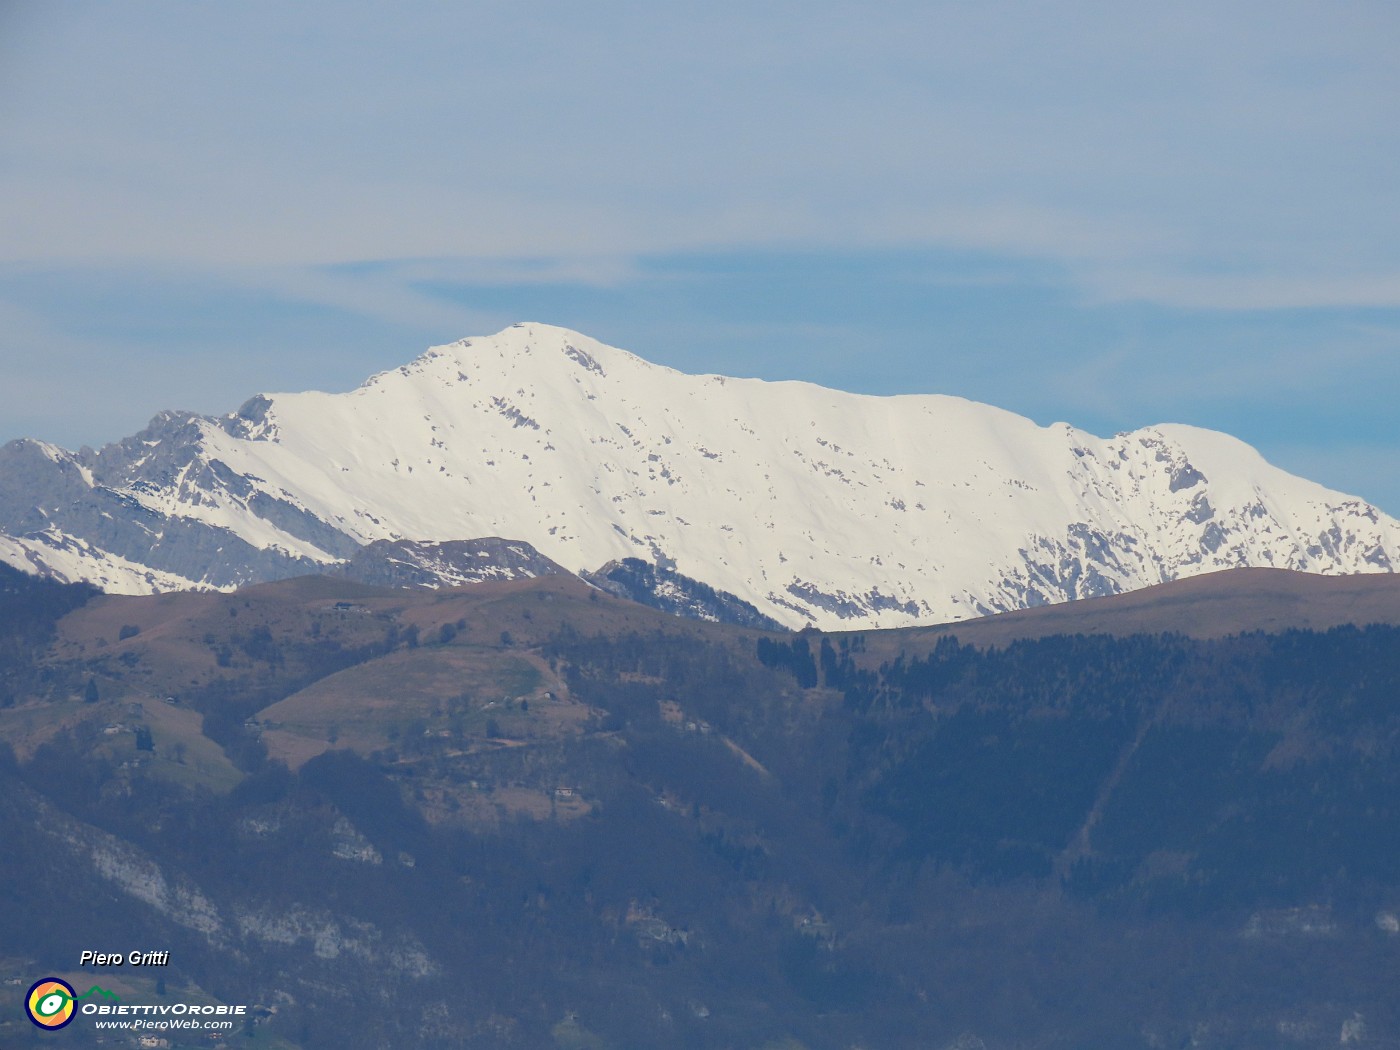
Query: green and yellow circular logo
(49,1003)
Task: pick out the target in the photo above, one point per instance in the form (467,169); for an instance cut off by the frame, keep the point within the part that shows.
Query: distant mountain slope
(1213,605)
(810,504)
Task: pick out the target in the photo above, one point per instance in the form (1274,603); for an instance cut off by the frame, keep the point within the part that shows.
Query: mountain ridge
(812,505)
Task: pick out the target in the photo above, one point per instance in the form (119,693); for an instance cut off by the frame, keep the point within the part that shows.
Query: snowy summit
(813,505)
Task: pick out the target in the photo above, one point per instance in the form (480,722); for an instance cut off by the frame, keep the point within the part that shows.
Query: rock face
(665,589)
(405,563)
(810,505)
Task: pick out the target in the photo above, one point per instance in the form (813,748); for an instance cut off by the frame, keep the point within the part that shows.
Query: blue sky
(1114,214)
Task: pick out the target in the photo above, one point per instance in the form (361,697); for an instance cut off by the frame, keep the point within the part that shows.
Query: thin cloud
(1241,147)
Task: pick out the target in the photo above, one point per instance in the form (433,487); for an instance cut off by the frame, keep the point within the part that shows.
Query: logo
(49,1003)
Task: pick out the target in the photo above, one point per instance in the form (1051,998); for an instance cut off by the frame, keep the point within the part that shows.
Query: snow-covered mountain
(811,504)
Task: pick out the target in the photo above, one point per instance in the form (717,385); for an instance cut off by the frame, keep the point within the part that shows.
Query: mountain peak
(806,503)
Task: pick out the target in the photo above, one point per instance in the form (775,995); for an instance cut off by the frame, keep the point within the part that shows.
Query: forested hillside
(534,816)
